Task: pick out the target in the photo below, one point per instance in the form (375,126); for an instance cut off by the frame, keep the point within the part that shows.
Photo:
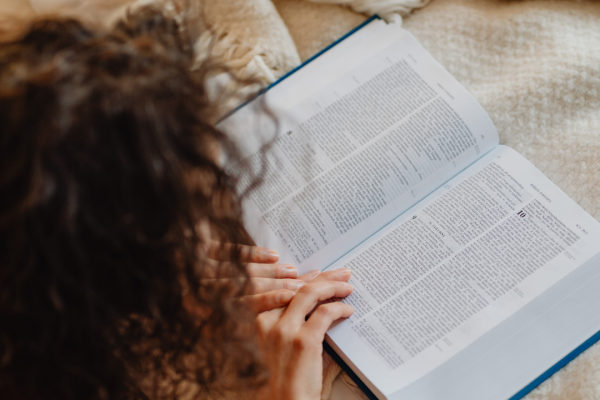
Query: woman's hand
(273,285)
(292,344)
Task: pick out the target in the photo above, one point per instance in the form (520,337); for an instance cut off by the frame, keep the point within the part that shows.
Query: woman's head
(109,194)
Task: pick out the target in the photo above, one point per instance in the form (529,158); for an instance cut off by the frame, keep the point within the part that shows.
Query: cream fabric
(390,10)
(247,33)
(12,12)
(314,26)
(15,8)
(249,36)
(102,12)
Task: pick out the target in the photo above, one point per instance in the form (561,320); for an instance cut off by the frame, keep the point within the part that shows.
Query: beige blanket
(533,65)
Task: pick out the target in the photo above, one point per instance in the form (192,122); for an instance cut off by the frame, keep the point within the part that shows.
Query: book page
(458,264)
(356,154)
(335,62)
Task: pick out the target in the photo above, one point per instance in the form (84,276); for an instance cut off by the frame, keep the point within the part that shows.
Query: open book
(475,276)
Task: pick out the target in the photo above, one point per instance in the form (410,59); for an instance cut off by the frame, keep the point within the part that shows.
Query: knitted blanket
(533,65)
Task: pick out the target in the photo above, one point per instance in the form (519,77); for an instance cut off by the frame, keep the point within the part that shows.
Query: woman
(116,279)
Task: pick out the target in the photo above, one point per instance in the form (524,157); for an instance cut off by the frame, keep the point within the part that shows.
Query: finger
(225,251)
(262,285)
(342,275)
(267,320)
(310,295)
(269,301)
(308,277)
(322,318)
(277,271)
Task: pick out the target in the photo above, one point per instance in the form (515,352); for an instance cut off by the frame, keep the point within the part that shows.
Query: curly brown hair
(109,194)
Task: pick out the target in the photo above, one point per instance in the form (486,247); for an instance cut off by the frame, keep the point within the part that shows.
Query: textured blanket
(533,65)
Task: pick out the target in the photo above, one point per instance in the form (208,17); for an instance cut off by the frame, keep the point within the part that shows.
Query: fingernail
(348,285)
(270,255)
(312,275)
(343,272)
(285,297)
(289,271)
